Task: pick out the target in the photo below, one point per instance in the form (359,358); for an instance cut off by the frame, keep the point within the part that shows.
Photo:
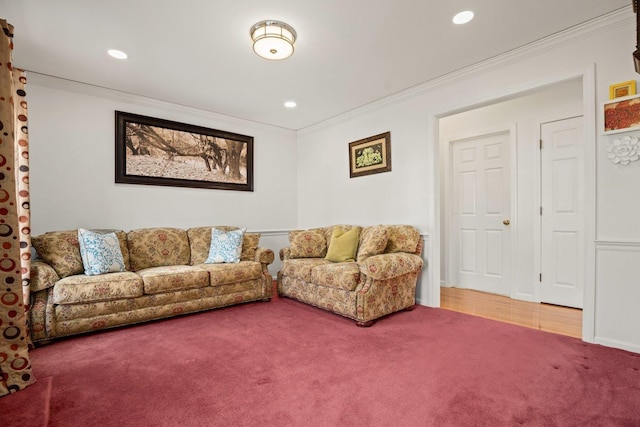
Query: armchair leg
(410,308)
(364,324)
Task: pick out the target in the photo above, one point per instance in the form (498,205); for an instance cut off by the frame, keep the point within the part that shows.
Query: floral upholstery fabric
(200,242)
(308,243)
(388,266)
(373,241)
(263,256)
(339,301)
(81,288)
(386,283)
(43,276)
(232,273)
(301,268)
(80,318)
(157,247)
(402,238)
(61,250)
(78,303)
(344,275)
(249,246)
(378,298)
(172,278)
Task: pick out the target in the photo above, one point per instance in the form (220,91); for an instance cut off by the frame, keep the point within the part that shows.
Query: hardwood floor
(545,317)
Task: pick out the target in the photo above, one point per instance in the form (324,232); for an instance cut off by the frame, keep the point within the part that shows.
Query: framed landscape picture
(155,151)
(370,155)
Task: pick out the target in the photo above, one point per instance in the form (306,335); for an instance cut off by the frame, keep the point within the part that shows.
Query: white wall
(72,142)
(410,193)
(525,114)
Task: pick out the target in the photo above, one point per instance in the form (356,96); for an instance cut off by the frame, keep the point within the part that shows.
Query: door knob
(506,222)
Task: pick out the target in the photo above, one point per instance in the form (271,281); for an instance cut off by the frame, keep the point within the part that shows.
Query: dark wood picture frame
(370,155)
(152,151)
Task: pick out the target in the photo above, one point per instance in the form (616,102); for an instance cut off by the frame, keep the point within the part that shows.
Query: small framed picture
(620,90)
(622,114)
(370,155)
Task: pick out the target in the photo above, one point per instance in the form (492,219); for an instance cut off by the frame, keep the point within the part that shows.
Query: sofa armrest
(285,253)
(264,256)
(388,266)
(43,276)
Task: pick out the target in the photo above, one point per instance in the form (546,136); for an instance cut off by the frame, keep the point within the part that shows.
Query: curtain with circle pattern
(15,246)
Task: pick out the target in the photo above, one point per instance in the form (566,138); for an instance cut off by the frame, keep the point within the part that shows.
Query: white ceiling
(349,52)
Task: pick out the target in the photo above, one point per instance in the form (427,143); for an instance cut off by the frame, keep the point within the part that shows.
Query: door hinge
(540,210)
(540,277)
(541,144)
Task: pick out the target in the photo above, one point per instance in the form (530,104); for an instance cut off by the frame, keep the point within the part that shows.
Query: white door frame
(589,113)
(513,196)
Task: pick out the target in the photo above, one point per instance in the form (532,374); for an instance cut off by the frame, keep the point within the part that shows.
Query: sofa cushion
(343,245)
(301,268)
(104,287)
(173,278)
(226,246)
(310,243)
(157,247)
(200,242)
(61,250)
(250,243)
(373,241)
(402,238)
(225,274)
(344,275)
(100,252)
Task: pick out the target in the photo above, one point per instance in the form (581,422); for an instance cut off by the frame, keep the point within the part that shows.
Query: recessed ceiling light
(290,104)
(118,54)
(463,17)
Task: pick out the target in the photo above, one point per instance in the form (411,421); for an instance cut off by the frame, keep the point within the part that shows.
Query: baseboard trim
(617,344)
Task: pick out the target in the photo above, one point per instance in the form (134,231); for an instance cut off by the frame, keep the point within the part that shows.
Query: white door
(481,208)
(562,212)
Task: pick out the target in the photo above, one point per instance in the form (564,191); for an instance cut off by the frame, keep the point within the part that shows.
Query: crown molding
(587,29)
(54,82)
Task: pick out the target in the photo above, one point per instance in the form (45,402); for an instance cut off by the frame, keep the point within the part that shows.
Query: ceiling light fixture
(273,39)
(463,17)
(118,54)
(290,104)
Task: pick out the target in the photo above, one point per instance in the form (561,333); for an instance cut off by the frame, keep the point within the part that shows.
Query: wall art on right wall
(370,155)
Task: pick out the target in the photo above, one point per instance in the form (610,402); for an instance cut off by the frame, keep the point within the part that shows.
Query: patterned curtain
(15,245)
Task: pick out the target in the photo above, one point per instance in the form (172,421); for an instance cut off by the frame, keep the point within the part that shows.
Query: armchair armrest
(388,266)
(43,276)
(285,253)
(264,255)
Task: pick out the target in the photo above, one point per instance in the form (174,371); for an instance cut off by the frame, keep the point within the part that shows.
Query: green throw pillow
(343,245)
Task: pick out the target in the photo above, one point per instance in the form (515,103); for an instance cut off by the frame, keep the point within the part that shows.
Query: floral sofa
(165,275)
(381,278)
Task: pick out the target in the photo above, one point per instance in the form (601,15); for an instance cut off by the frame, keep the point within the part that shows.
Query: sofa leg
(266,299)
(410,308)
(364,324)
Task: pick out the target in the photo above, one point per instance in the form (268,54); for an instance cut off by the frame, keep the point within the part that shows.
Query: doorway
(524,116)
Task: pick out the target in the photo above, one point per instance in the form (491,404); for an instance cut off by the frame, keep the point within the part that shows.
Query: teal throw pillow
(226,246)
(100,252)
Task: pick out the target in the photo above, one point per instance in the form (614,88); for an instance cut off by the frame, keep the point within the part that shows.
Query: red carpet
(285,363)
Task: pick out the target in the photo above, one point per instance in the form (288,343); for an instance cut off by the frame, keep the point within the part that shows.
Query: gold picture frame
(370,155)
(620,90)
